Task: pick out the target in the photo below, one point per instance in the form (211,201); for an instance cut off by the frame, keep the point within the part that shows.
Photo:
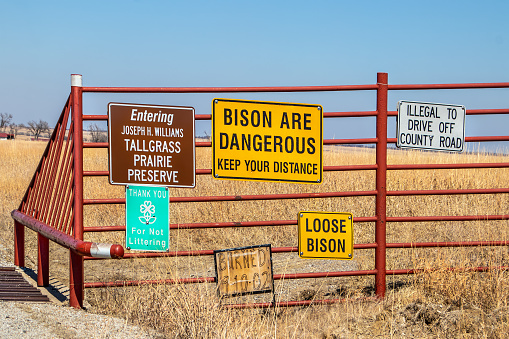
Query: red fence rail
(60,177)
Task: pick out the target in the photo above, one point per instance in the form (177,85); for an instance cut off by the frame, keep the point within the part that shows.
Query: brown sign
(245,270)
(151,145)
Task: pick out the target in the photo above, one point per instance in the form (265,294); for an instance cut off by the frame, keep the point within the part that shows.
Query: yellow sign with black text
(325,235)
(267,141)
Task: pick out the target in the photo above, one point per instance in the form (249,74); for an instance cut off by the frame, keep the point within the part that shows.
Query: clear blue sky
(252,43)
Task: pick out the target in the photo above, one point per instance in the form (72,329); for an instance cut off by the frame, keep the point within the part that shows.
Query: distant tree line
(41,129)
(35,128)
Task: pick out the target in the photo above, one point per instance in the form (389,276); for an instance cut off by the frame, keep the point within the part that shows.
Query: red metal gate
(53,204)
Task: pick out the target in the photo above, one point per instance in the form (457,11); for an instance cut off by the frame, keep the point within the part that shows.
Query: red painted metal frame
(228,89)
(76,269)
(380,167)
(71,208)
(381,184)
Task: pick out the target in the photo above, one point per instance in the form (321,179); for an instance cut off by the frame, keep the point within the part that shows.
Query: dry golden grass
(436,303)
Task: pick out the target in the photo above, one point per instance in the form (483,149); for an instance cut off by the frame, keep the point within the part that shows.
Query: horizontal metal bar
(487,138)
(109,201)
(275,196)
(296,303)
(309,275)
(449,86)
(452,269)
(487,111)
(352,114)
(448,218)
(196,253)
(220,224)
(289,88)
(244,197)
(96,173)
(448,244)
(350,168)
(106,173)
(229,89)
(204,171)
(234,224)
(169,254)
(95,145)
(468,139)
(117,228)
(254,223)
(203,144)
(209,143)
(325,142)
(329,141)
(449,192)
(470,111)
(286,276)
(95,117)
(150,282)
(448,166)
(350,141)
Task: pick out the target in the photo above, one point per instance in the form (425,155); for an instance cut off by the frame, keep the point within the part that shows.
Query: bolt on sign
(267,141)
(438,127)
(244,270)
(147,218)
(325,235)
(151,145)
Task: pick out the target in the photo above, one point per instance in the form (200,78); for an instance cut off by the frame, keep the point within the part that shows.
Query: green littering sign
(147,218)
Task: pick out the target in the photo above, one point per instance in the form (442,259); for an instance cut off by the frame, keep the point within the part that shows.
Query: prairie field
(438,302)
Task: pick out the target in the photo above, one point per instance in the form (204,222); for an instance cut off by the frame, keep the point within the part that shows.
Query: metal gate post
(19,244)
(77,281)
(381,183)
(42,260)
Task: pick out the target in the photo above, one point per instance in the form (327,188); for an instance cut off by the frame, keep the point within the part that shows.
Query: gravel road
(48,320)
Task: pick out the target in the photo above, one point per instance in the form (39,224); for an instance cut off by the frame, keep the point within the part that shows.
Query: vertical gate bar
(66,222)
(19,244)
(76,281)
(59,192)
(52,169)
(63,189)
(24,202)
(381,183)
(31,197)
(47,188)
(54,203)
(40,183)
(43,260)
(62,219)
(43,183)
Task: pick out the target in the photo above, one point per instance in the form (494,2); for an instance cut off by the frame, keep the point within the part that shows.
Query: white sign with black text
(438,127)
